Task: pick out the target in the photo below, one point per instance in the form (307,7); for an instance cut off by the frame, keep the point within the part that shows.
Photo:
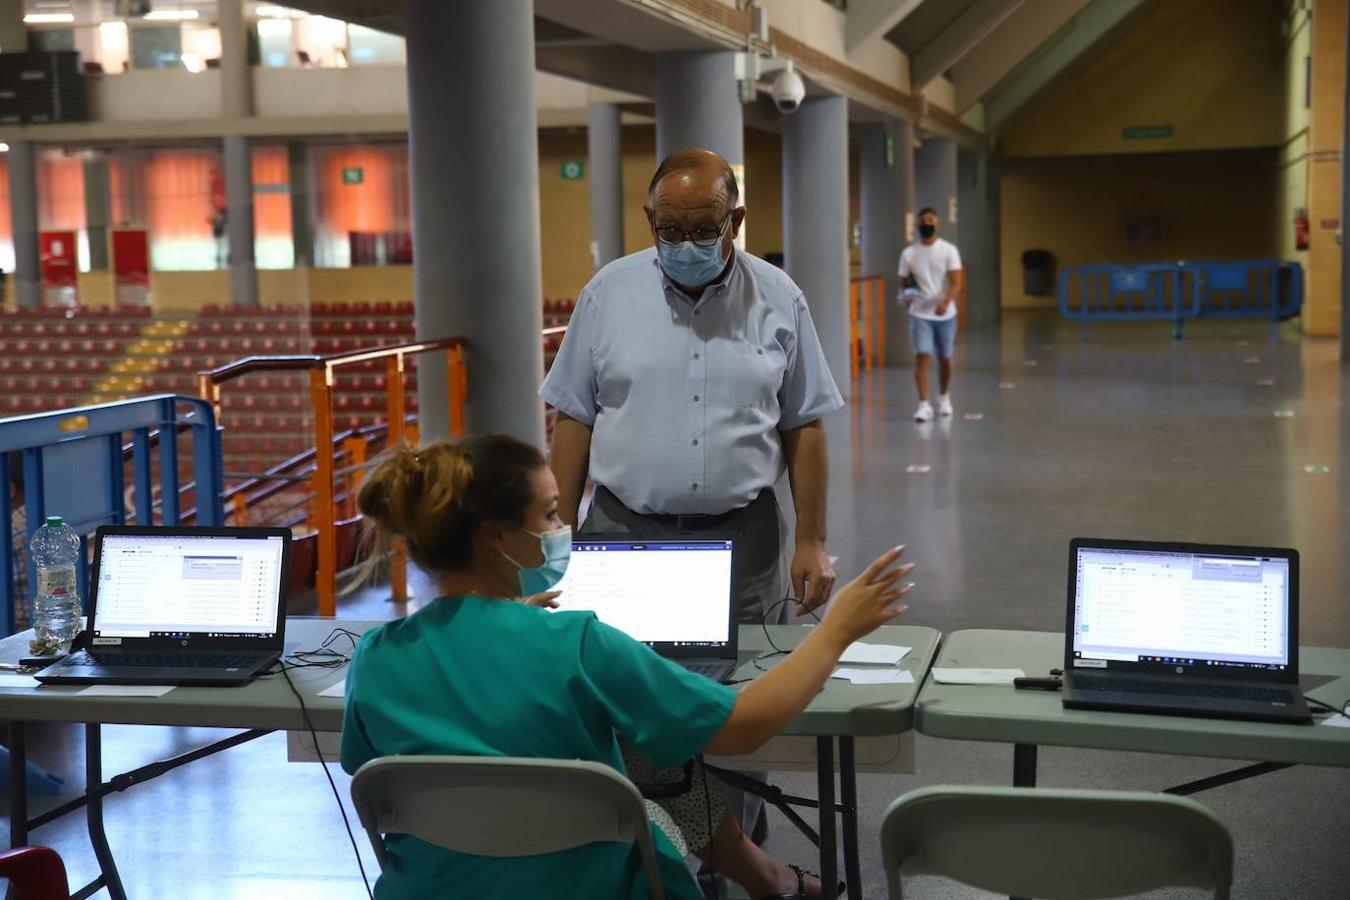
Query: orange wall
(1079,207)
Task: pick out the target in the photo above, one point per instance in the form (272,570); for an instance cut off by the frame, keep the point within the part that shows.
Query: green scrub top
(473,676)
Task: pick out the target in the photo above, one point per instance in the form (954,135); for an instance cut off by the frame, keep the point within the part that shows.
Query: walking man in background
(931,271)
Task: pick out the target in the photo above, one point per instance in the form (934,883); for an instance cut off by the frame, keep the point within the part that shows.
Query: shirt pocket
(757,374)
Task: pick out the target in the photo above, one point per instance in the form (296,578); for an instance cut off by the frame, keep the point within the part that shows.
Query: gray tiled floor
(1127,434)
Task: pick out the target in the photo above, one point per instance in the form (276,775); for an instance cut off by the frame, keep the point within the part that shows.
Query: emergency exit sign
(572,169)
(1146,132)
(353,175)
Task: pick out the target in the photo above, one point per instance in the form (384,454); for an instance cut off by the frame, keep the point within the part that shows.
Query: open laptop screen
(178,586)
(1181,609)
(676,594)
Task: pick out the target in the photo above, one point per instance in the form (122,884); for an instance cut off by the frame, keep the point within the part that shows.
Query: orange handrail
(322,371)
(866,307)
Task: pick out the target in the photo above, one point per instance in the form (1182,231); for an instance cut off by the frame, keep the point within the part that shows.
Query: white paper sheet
(338,690)
(15,680)
(1337,721)
(859,653)
(126,690)
(874,676)
(975,676)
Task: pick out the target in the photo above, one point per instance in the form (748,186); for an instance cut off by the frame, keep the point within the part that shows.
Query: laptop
(676,596)
(1183,629)
(181,606)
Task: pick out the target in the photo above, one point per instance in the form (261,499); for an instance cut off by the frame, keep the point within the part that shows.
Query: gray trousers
(758,533)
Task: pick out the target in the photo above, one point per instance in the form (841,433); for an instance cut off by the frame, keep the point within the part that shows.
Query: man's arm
(956,283)
(808,473)
(571,460)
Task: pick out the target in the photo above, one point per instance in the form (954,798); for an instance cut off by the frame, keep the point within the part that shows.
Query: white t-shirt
(929,264)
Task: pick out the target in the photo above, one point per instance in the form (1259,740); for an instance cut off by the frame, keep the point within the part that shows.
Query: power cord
(764,624)
(1343,709)
(325,657)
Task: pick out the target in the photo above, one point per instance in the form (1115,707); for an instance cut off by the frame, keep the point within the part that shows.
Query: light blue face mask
(557,549)
(690,265)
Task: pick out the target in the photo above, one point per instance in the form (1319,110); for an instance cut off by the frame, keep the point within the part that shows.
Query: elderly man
(690,378)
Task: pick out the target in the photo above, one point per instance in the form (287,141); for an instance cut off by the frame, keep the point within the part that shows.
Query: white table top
(840,709)
(1005,714)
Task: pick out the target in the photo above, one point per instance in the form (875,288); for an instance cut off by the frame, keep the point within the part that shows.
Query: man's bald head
(696,167)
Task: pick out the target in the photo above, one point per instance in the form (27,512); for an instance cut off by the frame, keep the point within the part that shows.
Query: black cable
(304,711)
(764,623)
(1343,709)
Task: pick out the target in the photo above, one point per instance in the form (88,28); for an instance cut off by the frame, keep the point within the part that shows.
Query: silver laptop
(1183,629)
(181,606)
(676,596)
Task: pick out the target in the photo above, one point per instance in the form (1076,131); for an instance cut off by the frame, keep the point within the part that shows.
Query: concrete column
(13,33)
(977,199)
(236,75)
(239,220)
(23,209)
(604,150)
(698,105)
(886,183)
(97,207)
(471,141)
(815,220)
(935,183)
(302,225)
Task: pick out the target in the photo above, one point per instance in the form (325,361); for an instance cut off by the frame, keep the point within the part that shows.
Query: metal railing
(1180,291)
(866,323)
(74,466)
(322,371)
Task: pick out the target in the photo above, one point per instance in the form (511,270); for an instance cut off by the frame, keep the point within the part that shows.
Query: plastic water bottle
(56,608)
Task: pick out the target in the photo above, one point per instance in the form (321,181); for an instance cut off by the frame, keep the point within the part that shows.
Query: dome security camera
(788,90)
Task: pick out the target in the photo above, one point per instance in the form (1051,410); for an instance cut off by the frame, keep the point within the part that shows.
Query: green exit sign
(572,169)
(353,175)
(1147,132)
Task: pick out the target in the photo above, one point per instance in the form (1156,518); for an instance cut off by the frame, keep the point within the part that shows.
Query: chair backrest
(1056,844)
(502,806)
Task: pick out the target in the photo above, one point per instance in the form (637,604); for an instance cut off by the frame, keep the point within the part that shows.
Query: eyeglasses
(701,236)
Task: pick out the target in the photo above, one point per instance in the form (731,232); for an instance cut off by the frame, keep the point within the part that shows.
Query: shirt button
(696,398)
(696,312)
(695,442)
(694,486)
(695,356)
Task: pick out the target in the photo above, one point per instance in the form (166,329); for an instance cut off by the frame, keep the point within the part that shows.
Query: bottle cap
(55,521)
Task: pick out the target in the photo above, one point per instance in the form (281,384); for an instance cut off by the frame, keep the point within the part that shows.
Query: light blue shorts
(931,336)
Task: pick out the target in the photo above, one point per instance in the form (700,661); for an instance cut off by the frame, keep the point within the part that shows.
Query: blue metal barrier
(75,464)
(1179,291)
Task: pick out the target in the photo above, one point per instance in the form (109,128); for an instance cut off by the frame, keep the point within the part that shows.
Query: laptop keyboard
(1187,689)
(162,660)
(711,669)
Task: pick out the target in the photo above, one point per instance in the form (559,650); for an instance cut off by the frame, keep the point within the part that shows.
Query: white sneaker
(944,405)
(924,413)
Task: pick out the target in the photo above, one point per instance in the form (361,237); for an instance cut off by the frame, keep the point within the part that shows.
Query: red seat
(318,308)
(35,873)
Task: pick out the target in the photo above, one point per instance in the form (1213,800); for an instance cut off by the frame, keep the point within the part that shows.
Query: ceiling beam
(1030,79)
(995,57)
(617,68)
(871,19)
(958,39)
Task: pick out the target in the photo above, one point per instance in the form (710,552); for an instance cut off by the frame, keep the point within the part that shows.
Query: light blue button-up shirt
(686,399)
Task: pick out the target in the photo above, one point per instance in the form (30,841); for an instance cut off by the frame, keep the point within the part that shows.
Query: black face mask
(926,231)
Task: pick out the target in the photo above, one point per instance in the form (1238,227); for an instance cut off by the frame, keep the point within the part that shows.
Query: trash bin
(1038,272)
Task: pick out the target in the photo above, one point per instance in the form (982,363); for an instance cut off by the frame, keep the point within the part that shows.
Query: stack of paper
(874,676)
(975,676)
(860,654)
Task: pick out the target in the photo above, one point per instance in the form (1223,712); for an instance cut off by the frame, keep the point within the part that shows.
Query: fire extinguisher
(1301,229)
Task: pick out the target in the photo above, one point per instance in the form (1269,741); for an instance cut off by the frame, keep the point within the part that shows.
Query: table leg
(1024,765)
(848,794)
(829,865)
(93,779)
(18,785)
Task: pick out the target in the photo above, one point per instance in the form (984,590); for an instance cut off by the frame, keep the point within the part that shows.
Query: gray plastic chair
(502,806)
(1056,844)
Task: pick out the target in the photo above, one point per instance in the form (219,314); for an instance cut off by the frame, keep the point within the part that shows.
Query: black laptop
(181,606)
(677,596)
(1183,629)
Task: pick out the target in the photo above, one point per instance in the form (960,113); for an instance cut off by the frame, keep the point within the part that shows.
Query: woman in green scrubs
(477,672)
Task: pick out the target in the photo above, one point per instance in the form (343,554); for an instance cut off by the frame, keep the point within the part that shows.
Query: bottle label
(58,582)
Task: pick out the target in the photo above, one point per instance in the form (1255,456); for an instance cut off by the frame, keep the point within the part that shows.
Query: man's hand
(812,576)
(944,306)
(548,599)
